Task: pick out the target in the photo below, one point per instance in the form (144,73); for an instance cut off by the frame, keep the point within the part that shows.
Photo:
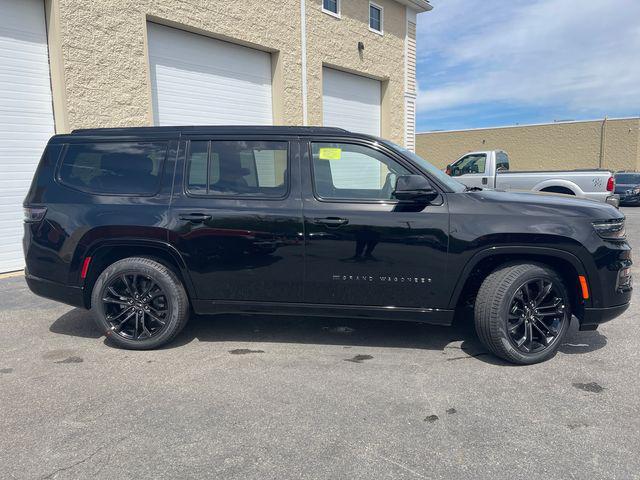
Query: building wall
(333,42)
(550,147)
(100,69)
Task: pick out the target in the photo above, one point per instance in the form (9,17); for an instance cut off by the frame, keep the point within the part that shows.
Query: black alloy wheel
(522,312)
(537,314)
(135,306)
(139,303)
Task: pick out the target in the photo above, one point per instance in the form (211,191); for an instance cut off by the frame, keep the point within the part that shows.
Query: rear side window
(237,168)
(502,162)
(114,168)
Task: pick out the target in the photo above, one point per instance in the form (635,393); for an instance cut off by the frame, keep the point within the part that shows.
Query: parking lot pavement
(258,398)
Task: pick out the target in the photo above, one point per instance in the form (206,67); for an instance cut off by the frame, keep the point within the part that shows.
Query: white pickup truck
(490,169)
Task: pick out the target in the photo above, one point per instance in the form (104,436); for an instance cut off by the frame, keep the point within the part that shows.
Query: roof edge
(419,5)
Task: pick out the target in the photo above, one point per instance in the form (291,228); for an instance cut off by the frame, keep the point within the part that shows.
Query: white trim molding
(335,14)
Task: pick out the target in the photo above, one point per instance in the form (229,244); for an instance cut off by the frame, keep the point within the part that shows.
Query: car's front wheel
(139,303)
(522,313)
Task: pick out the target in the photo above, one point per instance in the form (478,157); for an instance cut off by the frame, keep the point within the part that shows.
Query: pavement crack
(79,462)
(75,464)
(397,464)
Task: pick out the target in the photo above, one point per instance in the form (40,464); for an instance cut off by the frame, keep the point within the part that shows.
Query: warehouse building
(609,143)
(67,64)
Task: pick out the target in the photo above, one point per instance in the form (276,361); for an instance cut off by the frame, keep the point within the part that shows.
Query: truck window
(114,168)
(353,172)
(237,168)
(502,162)
(469,165)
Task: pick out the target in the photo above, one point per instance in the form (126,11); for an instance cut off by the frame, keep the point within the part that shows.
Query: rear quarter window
(114,168)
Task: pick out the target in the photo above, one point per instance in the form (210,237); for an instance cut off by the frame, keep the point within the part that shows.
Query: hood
(531,203)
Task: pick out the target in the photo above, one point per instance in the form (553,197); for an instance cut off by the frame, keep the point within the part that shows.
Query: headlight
(610,229)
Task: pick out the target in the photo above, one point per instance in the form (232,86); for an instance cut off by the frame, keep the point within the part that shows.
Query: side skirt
(431,316)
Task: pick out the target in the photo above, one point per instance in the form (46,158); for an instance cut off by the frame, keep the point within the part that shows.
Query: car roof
(211,130)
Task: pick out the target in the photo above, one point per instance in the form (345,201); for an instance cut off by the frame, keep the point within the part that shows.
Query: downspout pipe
(303,47)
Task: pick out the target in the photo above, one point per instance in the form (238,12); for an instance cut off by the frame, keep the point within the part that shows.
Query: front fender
(515,250)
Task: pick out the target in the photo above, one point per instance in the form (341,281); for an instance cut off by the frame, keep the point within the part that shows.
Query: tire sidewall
(159,275)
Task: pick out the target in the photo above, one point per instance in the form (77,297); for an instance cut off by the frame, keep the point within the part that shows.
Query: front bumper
(59,292)
(595,316)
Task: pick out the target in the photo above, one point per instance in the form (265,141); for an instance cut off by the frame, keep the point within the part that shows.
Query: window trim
(374,146)
(380,8)
(185,172)
(58,178)
(337,13)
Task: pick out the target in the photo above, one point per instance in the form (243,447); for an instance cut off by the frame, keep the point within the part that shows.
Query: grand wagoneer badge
(381,279)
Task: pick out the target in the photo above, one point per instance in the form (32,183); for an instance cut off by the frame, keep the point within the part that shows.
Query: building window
(332,7)
(375,18)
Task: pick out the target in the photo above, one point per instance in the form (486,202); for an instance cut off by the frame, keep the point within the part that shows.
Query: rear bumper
(59,292)
(613,200)
(595,316)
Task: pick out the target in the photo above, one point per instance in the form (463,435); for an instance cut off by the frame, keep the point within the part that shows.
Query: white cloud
(572,55)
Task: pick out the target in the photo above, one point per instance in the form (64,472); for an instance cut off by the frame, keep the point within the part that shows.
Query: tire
(160,307)
(504,314)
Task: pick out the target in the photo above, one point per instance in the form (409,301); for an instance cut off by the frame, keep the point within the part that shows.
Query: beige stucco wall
(551,146)
(100,71)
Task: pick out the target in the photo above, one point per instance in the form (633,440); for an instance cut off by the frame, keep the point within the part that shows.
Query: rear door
(236,217)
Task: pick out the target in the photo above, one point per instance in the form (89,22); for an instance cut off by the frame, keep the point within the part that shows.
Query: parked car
(145,225)
(491,169)
(628,187)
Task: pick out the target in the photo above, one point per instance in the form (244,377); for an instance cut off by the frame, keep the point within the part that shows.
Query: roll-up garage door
(197,80)
(26,116)
(353,102)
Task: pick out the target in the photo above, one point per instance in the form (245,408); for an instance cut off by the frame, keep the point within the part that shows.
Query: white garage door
(353,102)
(26,116)
(197,80)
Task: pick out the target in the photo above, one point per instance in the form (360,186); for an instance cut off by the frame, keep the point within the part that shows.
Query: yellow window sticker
(330,153)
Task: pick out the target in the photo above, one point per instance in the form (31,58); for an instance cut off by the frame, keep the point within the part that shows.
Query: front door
(363,248)
(236,218)
(472,170)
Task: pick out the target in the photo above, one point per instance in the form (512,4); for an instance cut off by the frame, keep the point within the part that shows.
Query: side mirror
(414,188)
(448,170)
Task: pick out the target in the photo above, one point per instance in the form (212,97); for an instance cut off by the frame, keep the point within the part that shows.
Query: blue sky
(487,63)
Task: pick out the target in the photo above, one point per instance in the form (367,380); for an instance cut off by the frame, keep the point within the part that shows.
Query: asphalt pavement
(240,397)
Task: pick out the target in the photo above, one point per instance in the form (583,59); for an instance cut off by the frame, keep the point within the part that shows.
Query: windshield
(442,177)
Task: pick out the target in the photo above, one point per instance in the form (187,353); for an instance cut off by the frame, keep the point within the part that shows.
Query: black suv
(143,225)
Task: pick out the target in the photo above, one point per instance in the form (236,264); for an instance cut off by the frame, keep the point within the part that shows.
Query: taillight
(611,184)
(34,214)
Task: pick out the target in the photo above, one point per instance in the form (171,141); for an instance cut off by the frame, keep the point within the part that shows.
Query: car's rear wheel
(139,303)
(522,313)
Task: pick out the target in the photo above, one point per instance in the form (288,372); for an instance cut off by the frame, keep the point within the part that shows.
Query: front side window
(375,17)
(354,172)
(471,164)
(114,168)
(230,168)
(331,6)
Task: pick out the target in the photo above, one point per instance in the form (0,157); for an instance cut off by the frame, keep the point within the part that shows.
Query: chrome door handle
(195,217)
(331,221)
